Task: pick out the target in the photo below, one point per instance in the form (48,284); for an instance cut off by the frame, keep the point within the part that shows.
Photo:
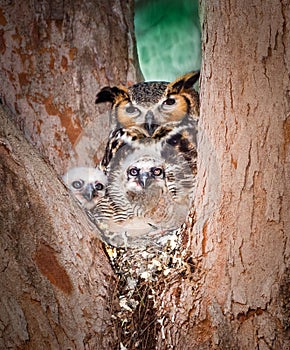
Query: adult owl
(153,110)
(151,104)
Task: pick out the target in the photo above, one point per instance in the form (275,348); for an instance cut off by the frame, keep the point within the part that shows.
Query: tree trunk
(55,57)
(57,288)
(236,295)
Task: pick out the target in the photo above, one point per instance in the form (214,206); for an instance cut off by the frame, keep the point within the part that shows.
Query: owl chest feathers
(150,157)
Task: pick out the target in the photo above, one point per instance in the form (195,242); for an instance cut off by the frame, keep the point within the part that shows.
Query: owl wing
(115,142)
(119,138)
(180,180)
(180,139)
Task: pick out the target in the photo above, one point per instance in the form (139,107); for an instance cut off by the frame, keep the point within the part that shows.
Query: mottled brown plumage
(153,112)
(149,193)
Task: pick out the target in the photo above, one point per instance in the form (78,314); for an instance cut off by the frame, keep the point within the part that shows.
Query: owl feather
(143,206)
(87,185)
(153,110)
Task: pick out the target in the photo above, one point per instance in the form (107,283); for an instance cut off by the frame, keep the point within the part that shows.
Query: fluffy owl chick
(156,183)
(151,104)
(149,193)
(88,185)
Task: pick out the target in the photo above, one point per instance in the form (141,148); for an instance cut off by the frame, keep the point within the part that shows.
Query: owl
(151,104)
(153,110)
(88,185)
(181,138)
(149,194)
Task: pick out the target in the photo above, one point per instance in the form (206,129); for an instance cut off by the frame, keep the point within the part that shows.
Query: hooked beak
(143,178)
(89,192)
(149,122)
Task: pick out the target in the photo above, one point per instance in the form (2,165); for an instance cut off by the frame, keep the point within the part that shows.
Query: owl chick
(151,104)
(149,173)
(149,193)
(88,185)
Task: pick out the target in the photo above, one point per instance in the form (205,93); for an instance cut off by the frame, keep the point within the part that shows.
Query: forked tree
(57,288)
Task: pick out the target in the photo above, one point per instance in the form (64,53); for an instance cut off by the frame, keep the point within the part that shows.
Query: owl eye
(134,171)
(133,111)
(157,171)
(169,103)
(98,186)
(78,184)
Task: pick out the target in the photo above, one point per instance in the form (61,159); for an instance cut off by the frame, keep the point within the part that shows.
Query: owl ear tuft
(111,94)
(183,83)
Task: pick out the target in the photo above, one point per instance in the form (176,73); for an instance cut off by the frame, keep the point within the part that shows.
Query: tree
(58,289)
(238,294)
(55,57)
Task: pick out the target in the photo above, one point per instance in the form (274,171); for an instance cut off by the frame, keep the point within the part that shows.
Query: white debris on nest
(144,265)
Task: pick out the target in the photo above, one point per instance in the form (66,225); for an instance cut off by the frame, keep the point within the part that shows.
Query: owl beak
(149,122)
(89,192)
(143,179)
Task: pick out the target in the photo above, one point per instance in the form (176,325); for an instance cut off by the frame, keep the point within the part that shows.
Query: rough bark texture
(55,56)
(238,294)
(57,288)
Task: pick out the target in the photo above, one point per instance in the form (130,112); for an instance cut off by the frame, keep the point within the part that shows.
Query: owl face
(168,109)
(143,173)
(151,104)
(149,191)
(88,185)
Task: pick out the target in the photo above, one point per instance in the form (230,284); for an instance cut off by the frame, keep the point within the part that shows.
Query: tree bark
(236,295)
(55,56)
(57,287)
